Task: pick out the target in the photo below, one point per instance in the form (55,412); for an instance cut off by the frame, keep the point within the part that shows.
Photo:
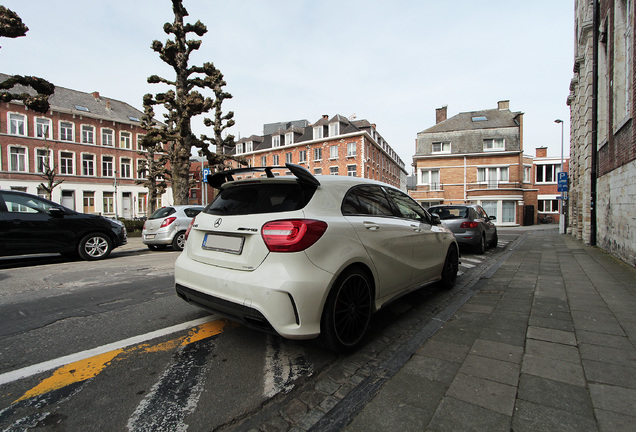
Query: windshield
(255,198)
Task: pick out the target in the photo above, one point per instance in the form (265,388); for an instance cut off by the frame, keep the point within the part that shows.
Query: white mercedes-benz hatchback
(309,256)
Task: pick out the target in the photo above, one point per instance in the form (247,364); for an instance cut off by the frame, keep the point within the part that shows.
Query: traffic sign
(206,173)
(562,182)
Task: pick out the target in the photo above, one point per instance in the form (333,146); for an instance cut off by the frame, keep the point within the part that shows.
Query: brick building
(602,98)
(477,157)
(92,142)
(336,146)
(545,170)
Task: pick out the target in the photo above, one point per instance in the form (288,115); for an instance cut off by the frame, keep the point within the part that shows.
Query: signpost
(562,182)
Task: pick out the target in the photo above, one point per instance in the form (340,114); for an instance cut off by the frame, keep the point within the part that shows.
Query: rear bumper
(158,238)
(286,298)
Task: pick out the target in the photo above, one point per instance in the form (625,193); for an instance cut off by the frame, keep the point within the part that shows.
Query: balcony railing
(495,184)
(432,187)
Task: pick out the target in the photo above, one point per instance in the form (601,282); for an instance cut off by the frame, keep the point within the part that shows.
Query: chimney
(503,105)
(325,116)
(542,152)
(108,104)
(96,95)
(440,114)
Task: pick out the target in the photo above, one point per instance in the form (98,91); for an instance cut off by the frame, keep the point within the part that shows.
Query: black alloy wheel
(450,269)
(481,247)
(347,313)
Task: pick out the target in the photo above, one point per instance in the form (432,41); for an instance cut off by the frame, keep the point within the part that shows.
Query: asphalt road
(108,346)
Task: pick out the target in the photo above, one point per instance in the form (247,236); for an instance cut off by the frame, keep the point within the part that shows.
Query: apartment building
(602,104)
(477,157)
(91,142)
(545,171)
(336,146)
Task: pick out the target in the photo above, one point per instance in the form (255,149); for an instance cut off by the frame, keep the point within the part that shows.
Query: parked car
(307,257)
(470,224)
(30,224)
(167,226)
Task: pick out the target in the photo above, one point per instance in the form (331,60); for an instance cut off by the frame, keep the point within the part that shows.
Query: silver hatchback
(470,224)
(167,226)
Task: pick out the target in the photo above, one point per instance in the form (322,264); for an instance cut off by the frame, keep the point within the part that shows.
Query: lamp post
(562,203)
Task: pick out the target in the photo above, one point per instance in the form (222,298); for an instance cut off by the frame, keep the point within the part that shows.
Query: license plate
(150,236)
(223,243)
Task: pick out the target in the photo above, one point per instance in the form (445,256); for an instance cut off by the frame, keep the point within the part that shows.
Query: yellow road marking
(91,367)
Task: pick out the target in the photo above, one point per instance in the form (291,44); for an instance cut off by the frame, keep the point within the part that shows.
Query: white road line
(471,260)
(467,265)
(83,355)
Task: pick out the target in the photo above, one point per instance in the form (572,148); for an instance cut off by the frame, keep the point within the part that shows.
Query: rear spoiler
(303,175)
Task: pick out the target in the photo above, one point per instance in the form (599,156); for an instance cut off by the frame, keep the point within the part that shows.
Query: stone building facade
(90,140)
(602,196)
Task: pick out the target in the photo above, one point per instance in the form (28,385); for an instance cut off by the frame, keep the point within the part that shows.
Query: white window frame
(110,141)
(40,159)
(66,169)
(318,132)
(125,140)
(139,137)
(333,170)
(263,160)
(88,134)
(65,131)
(289,138)
(249,146)
(86,168)
(19,161)
(487,174)
(125,168)
(444,147)
(333,152)
(275,160)
(289,157)
(17,124)
(317,171)
(352,149)
(105,173)
(302,156)
(426,177)
(352,171)
(275,140)
(108,202)
(527,173)
(317,154)
(40,122)
(138,164)
(334,129)
(555,169)
(494,144)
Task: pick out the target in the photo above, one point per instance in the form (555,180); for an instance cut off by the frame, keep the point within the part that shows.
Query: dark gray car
(470,224)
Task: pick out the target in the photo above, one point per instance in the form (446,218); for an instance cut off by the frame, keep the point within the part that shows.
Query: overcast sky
(390,62)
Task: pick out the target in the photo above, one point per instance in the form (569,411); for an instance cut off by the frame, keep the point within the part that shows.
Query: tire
(178,242)
(450,269)
(156,247)
(494,241)
(481,247)
(347,314)
(94,247)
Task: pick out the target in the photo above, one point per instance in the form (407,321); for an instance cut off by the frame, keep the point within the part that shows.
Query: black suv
(30,224)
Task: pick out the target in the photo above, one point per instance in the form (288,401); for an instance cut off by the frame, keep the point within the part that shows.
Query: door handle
(416,228)
(371,226)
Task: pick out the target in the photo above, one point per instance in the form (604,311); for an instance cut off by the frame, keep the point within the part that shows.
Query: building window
(140,138)
(318,132)
(441,147)
(351,149)
(508,211)
(89,202)
(317,154)
(66,131)
(249,146)
(17,159)
(527,173)
(430,178)
(142,199)
(43,128)
(108,137)
(548,206)
(289,138)
(494,144)
(88,134)
(275,160)
(302,156)
(109,203)
(352,170)
(107,166)
(42,160)
(492,175)
(17,124)
(317,171)
(263,160)
(547,173)
(333,170)
(66,163)
(275,140)
(125,140)
(288,158)
(88,165)
(333,152)
(125,168)
(334,129)
(141,170)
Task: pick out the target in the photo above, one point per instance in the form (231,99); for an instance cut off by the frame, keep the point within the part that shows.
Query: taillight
(469,225)
(292,235)
(189,229)
(168,221)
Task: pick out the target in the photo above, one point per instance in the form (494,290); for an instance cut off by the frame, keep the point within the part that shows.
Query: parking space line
(83,355)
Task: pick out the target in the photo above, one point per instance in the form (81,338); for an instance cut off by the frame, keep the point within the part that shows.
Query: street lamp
(562,204)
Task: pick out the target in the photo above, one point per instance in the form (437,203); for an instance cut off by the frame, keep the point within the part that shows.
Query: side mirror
(435,219)
(56,212)
(492,217)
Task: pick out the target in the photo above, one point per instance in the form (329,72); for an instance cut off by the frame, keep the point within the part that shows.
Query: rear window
(162,212)
(255,198)
(192,212)
(450,212)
